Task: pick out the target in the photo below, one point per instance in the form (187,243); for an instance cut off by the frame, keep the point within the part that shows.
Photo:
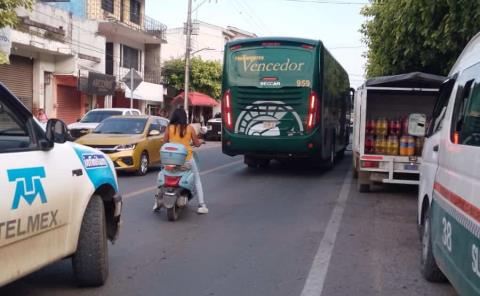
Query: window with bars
(135,11)
(130,57)
(107,5)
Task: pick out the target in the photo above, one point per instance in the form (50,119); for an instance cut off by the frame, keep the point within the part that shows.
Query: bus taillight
(312,117)
(227,110)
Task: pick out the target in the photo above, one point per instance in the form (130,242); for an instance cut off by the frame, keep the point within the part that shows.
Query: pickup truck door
(36,190)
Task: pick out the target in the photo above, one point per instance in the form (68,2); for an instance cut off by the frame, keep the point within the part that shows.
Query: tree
(417,35)
(8,17)
(205,76)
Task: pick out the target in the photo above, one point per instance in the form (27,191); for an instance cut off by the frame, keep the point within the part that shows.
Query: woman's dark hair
(179,119)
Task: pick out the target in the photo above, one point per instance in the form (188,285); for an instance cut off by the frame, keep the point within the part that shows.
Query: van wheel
(429,267)
(90,261)
(143,168)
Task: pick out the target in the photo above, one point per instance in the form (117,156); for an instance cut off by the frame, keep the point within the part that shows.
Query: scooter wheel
(172,213)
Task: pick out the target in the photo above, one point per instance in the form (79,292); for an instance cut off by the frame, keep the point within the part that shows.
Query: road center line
(152,188)
(318,272)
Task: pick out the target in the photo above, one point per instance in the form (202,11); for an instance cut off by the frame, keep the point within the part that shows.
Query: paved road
(263,233)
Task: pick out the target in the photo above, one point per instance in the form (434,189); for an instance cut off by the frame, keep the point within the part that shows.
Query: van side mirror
(57,132)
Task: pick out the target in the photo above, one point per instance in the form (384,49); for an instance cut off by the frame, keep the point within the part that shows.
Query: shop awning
(146,91)
(195,99)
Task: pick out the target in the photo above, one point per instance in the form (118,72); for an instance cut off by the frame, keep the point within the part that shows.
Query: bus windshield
(271,67)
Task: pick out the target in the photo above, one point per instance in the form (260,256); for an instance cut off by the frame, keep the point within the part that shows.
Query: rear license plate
(411,167)
(269,124)
(219,133)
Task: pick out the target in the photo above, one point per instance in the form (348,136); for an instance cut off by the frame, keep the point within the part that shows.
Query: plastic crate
(173,154)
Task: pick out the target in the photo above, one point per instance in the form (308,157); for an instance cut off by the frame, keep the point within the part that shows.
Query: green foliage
(417,35)
(8,17)
(205,76)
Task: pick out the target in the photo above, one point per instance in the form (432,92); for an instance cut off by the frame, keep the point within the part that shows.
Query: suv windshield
(98,116)
(125,126)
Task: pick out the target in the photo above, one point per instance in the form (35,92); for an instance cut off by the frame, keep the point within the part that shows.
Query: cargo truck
(390,117)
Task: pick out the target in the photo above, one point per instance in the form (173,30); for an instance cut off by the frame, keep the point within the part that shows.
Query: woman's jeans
(198,181)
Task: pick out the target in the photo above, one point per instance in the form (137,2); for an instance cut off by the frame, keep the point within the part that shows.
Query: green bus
(284,98)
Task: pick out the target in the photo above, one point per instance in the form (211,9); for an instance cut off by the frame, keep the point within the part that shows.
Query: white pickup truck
(395,98)
(58,199)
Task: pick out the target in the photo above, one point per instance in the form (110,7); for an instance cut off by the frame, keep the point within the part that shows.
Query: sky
(335,22)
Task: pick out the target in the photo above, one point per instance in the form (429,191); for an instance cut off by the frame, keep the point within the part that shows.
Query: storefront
(18,78)
(77,96)
(200,106)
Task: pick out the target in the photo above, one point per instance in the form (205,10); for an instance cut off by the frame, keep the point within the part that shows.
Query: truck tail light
(313,115)
(227,110)
(370,164)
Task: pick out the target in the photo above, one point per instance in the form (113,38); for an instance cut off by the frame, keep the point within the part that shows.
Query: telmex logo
(29,185)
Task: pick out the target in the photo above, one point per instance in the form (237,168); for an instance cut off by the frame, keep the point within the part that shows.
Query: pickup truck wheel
(90,261)
(429,267)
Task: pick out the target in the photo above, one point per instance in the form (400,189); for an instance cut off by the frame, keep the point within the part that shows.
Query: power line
(259,19)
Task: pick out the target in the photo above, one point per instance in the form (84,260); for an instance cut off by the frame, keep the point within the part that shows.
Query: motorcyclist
(179,132)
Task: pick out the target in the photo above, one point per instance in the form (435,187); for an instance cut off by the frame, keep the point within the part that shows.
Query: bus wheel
(330,162)
(429,267)
(251,162)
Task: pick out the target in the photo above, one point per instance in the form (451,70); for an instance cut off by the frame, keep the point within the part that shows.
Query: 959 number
(303,83)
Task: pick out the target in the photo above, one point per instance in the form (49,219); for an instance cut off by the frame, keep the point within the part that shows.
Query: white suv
(93,118)
(59,199)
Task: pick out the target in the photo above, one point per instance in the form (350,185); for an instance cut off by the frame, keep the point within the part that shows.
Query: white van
(449,193)
(58,199)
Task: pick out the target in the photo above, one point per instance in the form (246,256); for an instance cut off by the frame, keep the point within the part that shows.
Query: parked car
(448,203)
(214,129)
(132,142)
(93,117)
(59,199)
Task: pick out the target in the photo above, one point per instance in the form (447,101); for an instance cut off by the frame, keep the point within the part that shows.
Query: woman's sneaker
(202,209)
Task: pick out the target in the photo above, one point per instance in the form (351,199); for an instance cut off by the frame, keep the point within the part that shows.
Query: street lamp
(203,49)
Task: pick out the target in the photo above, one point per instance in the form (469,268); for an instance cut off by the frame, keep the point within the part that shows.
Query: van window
(441,106)
(466,119)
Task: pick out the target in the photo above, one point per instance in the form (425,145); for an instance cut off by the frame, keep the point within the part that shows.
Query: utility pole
(131,88)
(187,56)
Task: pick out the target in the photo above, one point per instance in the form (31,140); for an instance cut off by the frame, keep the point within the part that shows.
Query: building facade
(133,41)
(61,52)
(49,49)
(208,41)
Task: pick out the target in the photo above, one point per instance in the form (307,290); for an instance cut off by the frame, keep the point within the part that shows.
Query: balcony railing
(154,27)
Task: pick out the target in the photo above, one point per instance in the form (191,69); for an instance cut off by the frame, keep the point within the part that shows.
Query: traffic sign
(137,79)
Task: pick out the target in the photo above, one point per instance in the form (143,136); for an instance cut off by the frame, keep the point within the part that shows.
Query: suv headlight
(125,147)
